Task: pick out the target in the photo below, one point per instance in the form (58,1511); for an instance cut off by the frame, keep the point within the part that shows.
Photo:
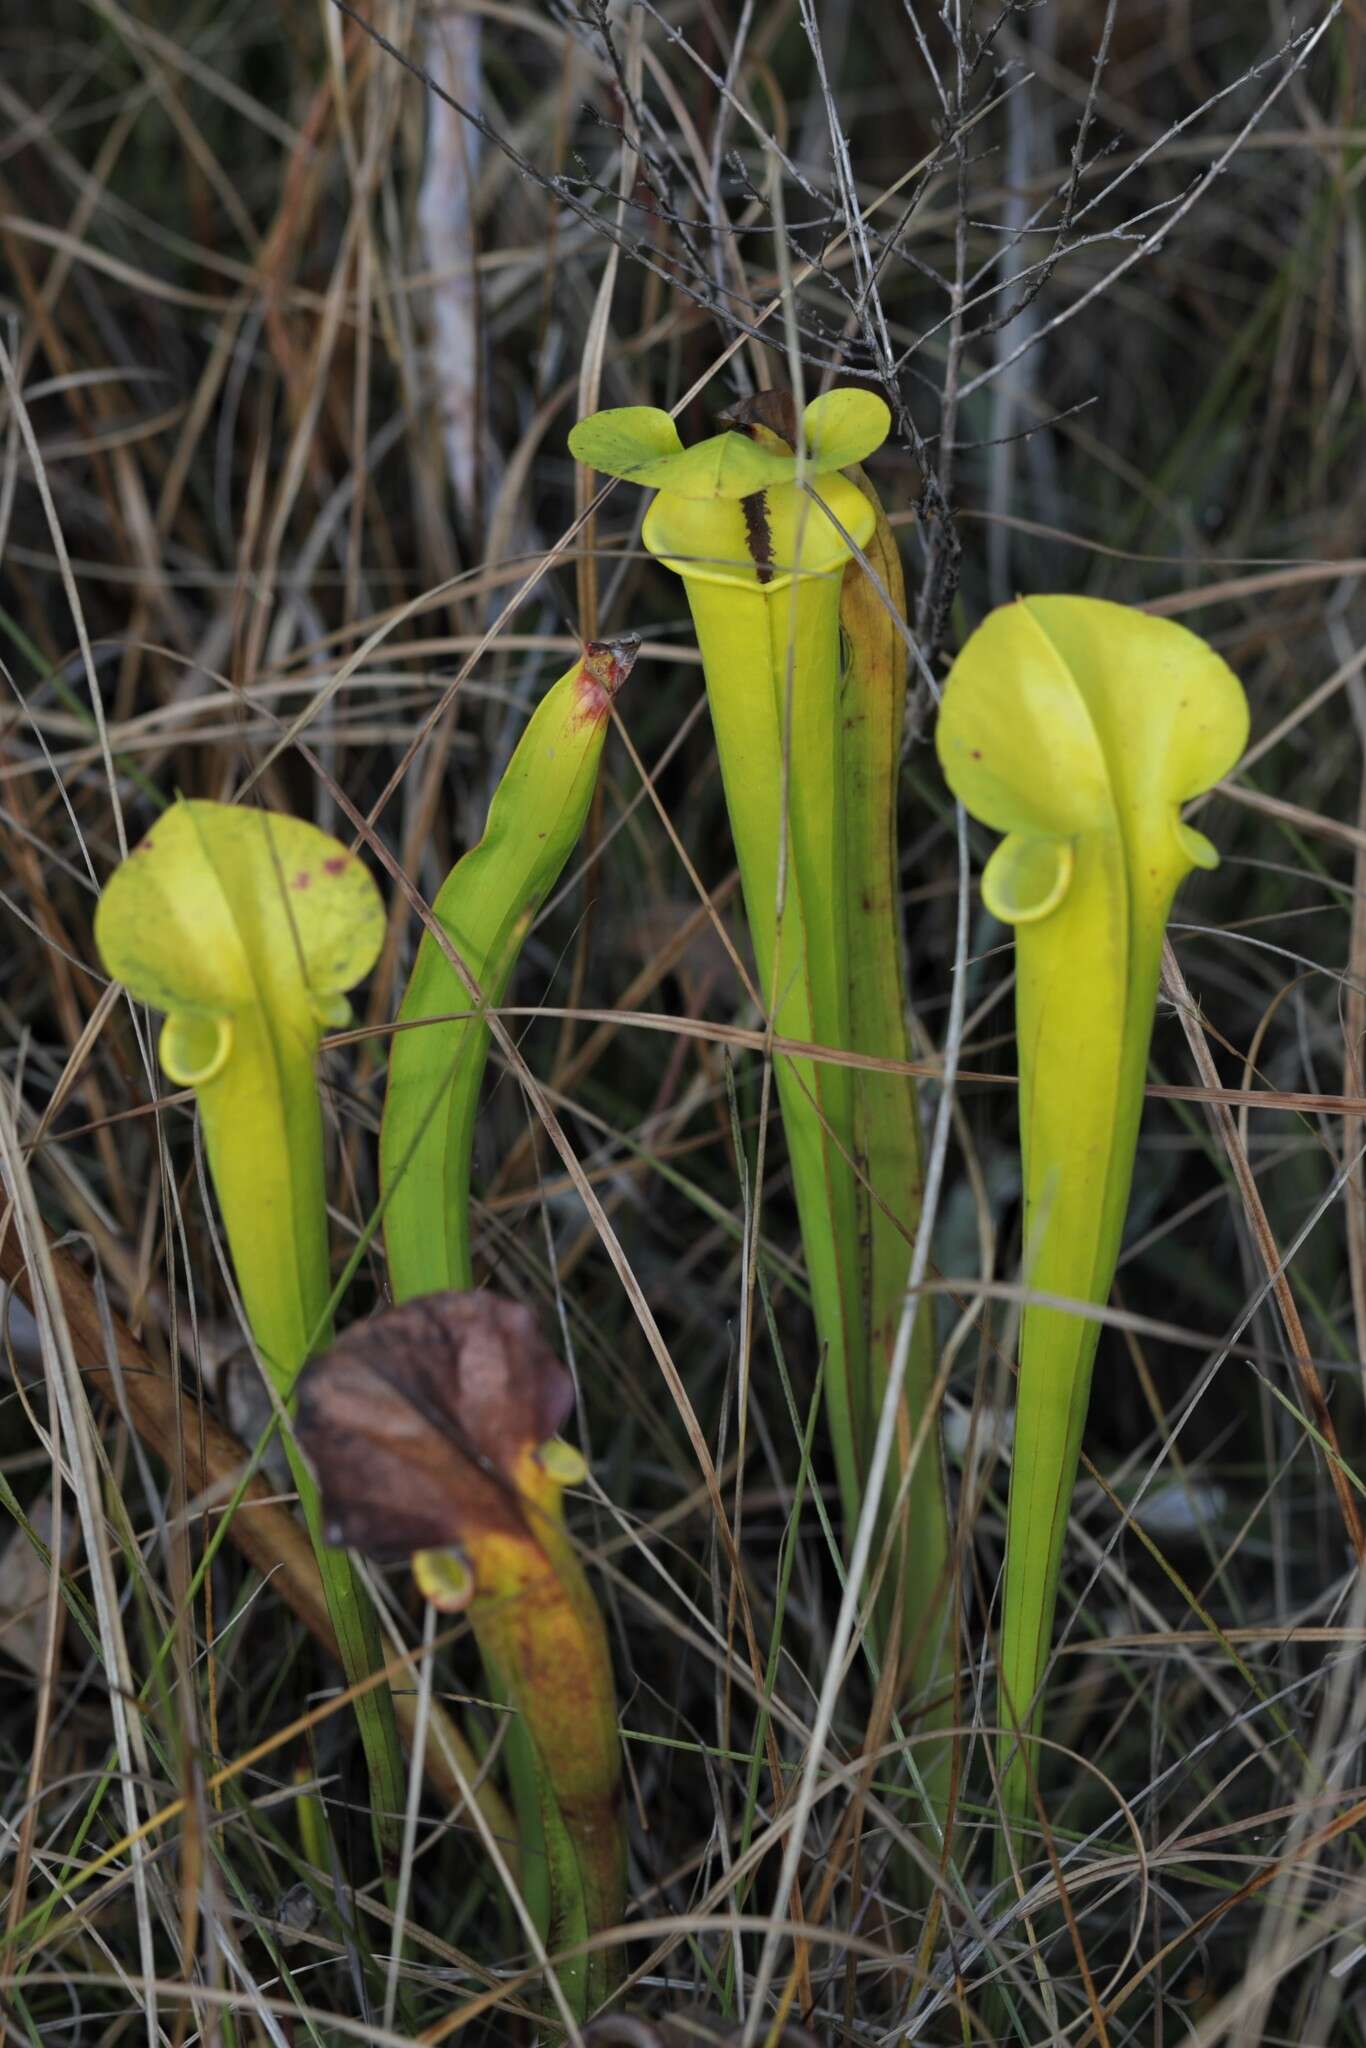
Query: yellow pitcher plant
(1077,728)
(433,1432)
(247,927)
(766,536)
(485,908)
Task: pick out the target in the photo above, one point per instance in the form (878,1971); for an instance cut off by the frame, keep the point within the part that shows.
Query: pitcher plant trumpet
(1078,728)
(486,906)
(433,1432)
(766,537)
(247,927)
(886,1131)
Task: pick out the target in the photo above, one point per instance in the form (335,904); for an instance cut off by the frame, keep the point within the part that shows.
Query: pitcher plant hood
(247,927)
(223,908)
(422,1423)
(641,444)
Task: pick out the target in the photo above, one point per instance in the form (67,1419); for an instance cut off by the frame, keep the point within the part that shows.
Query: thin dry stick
(1354,1034)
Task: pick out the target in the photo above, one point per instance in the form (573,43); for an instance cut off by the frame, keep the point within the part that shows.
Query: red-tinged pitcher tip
(606,665)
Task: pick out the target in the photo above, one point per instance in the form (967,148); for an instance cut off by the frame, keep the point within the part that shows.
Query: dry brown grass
(289,355)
